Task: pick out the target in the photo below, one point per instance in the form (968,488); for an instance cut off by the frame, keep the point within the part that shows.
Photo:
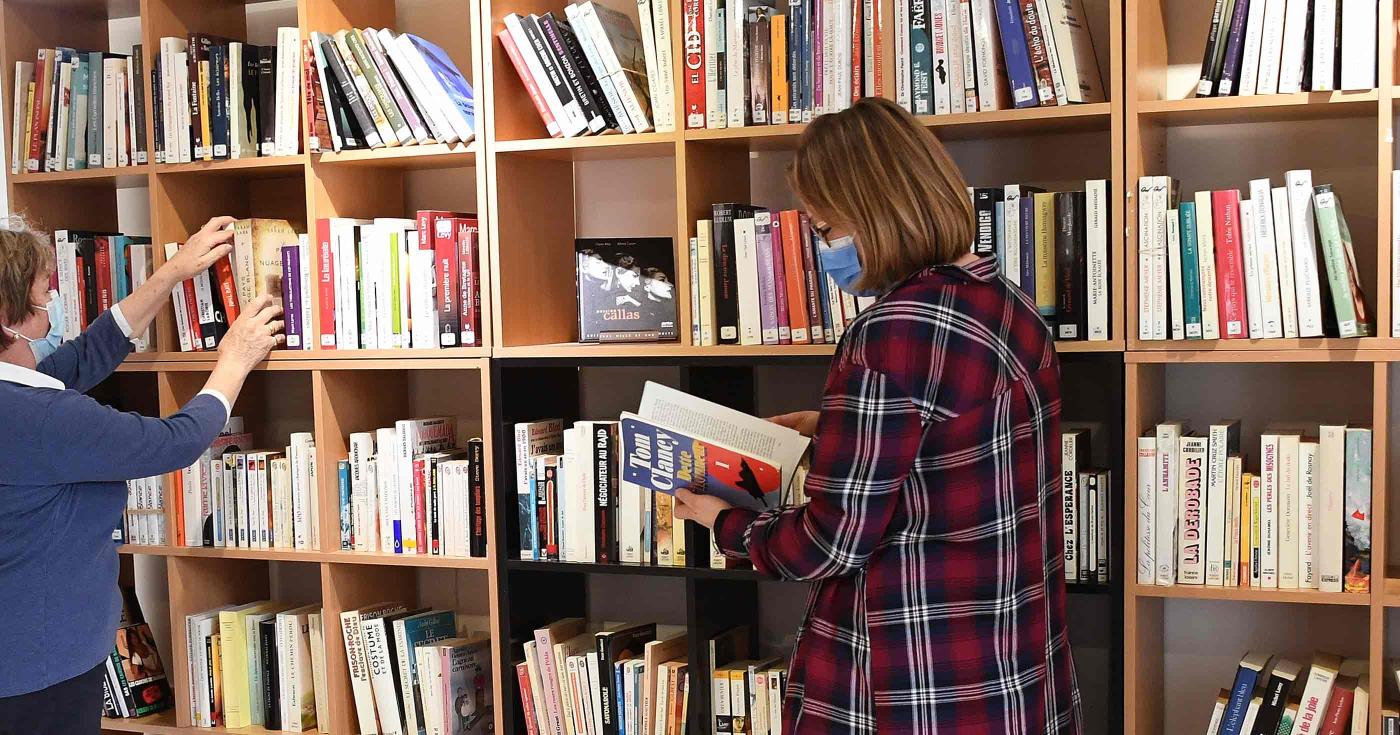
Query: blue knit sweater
(64,458)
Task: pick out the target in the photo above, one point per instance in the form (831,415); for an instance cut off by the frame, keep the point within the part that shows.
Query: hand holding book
(703,509)
(204,248)
(802,422)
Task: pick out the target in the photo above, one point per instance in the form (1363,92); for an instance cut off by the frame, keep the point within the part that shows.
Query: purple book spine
(767,287)
(291,295)
(1234,50)
(780,283)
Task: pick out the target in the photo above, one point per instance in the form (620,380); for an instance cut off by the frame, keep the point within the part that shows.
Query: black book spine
(1210,74)
(726,280)
(267,99)
(984,205)
(218,100)
(585,71)
(252,99)
(569,64)
(603,456)
(271,693)
(215,716)
(1307,46)
(198,51)
(476,455)
(1275,698)
(220,327)
(349,95)
(87,252)
(1234,51)
(606,684)
(157,108)
(531,26)
(1071,268)
(138,91)
(346,125)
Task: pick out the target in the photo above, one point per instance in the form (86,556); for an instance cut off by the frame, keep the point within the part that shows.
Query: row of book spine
(1268,696)
(412,672)
(144,520)
(261,663)
(217,99)
(135,683)
(372,88)
(73,110)
(1085,494)
(1289,46)
(1054,246)
(95,270)
(1219,266)
(1300,521)
(592,71)
(408,489)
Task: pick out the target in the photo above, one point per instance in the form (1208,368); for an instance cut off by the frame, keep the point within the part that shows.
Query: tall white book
(1293,55)
(1330,500)
(1253,308)
(1224,441)
(1168,465)
(1074,450)
(1268,510)
(1147,509)
(1191,535)
(1146,288)
(736,72)
(1011,239)
(1271,47)
(664,93)
(1266,258)
(1175,292)
(1253,41)
(1317,690)
(1307,513)
(1306,283)
(1096,227)
(1324,48)
(1288,511)
(1205,252)
(746,261)
(1359,18)
(1283,245)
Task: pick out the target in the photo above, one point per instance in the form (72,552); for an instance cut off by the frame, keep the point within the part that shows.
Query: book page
(722,425)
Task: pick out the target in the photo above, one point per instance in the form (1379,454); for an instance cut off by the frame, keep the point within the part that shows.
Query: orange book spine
(795,275)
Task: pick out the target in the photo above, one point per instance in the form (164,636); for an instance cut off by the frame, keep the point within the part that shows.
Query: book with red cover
(192,314)
(794,275)
(435,233)
(83,312)
(811,273)
(1229,264)
(39,119)
(529,81)
(1337,719)
(469,283)
(775,244)
(227,287)
(693,13)
(325,285)
(103,247)
(420,504)
(527,697)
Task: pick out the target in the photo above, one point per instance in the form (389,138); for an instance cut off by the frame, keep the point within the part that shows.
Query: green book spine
(396,300)
(377,85)
(1328,213)
(1190,271)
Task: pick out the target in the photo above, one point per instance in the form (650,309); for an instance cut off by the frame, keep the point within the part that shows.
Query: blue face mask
(49,343)
(841,261)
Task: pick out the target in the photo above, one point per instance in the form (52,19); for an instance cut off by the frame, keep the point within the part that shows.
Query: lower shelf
(1251,594)
(163,723)
(329,557)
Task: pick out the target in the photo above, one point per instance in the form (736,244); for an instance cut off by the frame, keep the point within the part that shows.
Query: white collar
(12,373)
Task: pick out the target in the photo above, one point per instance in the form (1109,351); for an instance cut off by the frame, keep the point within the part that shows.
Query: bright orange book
(795,274)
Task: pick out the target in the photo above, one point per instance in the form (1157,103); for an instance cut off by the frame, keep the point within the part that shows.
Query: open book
(678,440)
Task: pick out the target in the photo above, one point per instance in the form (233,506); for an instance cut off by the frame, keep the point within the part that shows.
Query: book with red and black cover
(468,240)
(662,459)
(435,232)
(199,45)
(476,494)
(626,290)
(1071,265)
(693,58)
(602,442)
(725,277)
(614,645)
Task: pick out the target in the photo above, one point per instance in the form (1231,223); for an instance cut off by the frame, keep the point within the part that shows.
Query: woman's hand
(203,249)
(803,422)
(256,331)
(702,509)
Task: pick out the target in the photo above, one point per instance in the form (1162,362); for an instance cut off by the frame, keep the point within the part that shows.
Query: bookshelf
(1175,662)
(533,195)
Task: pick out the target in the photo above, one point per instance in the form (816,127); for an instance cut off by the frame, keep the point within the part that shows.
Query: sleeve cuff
(120,319)
(221,398)
(730,527)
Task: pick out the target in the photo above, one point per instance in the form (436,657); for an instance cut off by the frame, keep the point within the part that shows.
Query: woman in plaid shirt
(933,535)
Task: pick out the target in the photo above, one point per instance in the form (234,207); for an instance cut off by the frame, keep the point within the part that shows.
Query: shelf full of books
(74,110)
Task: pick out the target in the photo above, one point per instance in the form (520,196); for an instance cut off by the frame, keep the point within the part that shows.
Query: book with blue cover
(461,111)
(663,460)
(410,633)
(1019,74)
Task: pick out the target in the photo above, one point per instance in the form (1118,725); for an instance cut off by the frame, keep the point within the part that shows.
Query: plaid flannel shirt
(933,535)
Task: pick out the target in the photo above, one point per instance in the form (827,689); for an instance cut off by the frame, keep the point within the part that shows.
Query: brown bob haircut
(875,168)
(24,256)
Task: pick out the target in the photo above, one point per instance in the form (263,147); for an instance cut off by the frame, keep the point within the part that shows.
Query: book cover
(1348,300)
(662,460)
(1356,529)
(1229,261)
(625,289)
(1072,275)
(1016,56)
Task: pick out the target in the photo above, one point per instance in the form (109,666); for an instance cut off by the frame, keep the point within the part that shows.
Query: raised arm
(870,433)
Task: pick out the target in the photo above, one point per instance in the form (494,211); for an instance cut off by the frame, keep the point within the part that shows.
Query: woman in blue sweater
(64,458)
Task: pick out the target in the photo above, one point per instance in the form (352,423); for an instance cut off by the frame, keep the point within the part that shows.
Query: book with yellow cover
(233,662)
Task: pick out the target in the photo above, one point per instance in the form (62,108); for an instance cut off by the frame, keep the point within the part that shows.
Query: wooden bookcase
(1174,658)
(533,195)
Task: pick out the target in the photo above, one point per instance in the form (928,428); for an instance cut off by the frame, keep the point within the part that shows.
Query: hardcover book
(626,289)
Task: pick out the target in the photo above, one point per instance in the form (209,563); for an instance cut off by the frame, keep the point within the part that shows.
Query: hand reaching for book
(202,250)
(803,422)
(256,331)
(702,509)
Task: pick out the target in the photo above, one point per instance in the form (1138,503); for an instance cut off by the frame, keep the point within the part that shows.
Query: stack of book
(1272,695)
(590,71)
(409,489)
(625,677)
(1054,245)
(372,88)
(1302,520)
(239,497)
(95,270)
(73,110)
(261,663)
(135,684)
(1219,266)
(217,99)
(1280,47)
(602,491)
(144,521)
(411,673)
(1085,494)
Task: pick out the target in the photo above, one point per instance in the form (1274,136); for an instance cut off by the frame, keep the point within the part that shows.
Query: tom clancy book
(626,289)
(662,459)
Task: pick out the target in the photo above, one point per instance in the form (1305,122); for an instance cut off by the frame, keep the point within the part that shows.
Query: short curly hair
(25,255)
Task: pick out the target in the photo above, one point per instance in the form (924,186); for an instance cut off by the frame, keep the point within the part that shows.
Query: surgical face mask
(49,343)
(841,261)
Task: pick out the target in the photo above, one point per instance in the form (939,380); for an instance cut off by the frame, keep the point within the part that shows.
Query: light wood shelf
(437,155)
(1248,594)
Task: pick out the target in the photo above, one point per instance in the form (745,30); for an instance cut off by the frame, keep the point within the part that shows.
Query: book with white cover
(664,93)
(1266,257)
(1096,227)
(1224,442)
(1306,281)
(746,263)
(1324,49)
(1253,40)
(1358,58)
(1175,291)
(1074,448)
(1253,307)
(1271,47)
(1234,501)
(1268,510)
(1191,531)
(1307,513)
(1146,508)
(1168,465)
(1205,256)
(1330,500)
(24,75)
(1011,227)
(1283,245)
(1317,690)
(736,70)
(1144,236)
(1074,62)
(1288,507)
(1295,44)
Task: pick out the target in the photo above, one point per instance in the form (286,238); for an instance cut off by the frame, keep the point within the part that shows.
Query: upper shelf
(1260,108)
(437,155)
